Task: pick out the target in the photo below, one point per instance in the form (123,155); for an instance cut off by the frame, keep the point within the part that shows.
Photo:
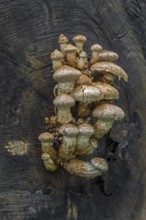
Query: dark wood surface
(28,33)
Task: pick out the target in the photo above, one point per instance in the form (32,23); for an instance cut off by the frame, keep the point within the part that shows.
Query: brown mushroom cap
(62,39)
(100,164)
(96,47)
(63,101)
(69,130)
(86,129)
(88,94)
(83,54)
(56,55)
(108,67)
(79,38)
(45,137)
(70,48)
(66,73)
(107,55)
(108,112)
(84,80)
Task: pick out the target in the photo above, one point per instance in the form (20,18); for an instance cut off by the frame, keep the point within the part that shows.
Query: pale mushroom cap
(66,73)
(85,93)
(79,38)
(56,55)
(62,39)
(68,129)
(96,47)
(108,112)
(83,54)
(45,137)
(108,67)
(107,55)
(86,129)
(63,101)
(100,164)
(45,156)
(109,91)
(70,48)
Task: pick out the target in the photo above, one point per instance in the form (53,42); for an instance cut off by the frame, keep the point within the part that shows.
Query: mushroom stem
(71,59)
(102,127)
(64,115)
(82,60)
(49,163)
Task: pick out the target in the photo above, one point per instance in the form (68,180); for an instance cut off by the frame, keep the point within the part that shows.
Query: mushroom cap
(108,67)
(107,55)
(108,91)
(99,163)
(56,55)
(84,80)
(96,47)
(108,112)
(88,94)
(45,137)
(66,73)
(64,100)
(70,48)
(45,156)
(69,129)
(62,39)
(86,129)
(83,54)
(79,38)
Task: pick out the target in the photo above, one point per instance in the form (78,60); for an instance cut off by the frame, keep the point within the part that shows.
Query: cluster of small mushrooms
(83,107)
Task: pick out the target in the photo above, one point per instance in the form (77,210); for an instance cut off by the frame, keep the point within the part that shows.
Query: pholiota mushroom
(62,40)
(70,52)
(107,55)
(67,148)
(96,48)
(56,57)
(83,80)
(63,103)
(66,77)
(49,163)
(82,60)
(79,41)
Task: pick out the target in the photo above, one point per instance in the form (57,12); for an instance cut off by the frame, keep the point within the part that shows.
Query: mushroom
(83,80)
(107,55)
(96,48)
(100,164)
(67,148)
(56,57)
(109,71)
(82,60)
(108,91)
(62,40)
(46,139)
(106,114)
(70,52)
(63,103)
(79,41)
(65,77)
(49,163)
(86,94)
(84,147)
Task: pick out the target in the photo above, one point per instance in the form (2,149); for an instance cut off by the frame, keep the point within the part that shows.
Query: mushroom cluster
(84,91)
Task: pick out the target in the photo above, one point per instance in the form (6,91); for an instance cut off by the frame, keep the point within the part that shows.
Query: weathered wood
(28,33)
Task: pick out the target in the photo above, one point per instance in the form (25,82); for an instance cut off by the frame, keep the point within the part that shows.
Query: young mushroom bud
(63,103)
(85,95)
(82,60)
(100,164)
(109,71)
(49,163)
(96,48)
(66,77)
(70,52)
(83,139)
(62,40)
(46,139)
(107,55)
(67,148)
(79,41)
(56,57)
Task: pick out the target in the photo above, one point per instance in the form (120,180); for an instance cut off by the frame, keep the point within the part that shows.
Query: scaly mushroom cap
(87,94)
(108,112)
(86,129)
(107,55)
(69,130)
(96,47)
(100,163)
(70,48)
(66,73)
(56,55)
(62,39)
(64,100)
(79,38)
(45,137)
(83,80)
(108,91)
(107,67)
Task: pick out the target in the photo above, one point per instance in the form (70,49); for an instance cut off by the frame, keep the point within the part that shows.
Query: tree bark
(28,34)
